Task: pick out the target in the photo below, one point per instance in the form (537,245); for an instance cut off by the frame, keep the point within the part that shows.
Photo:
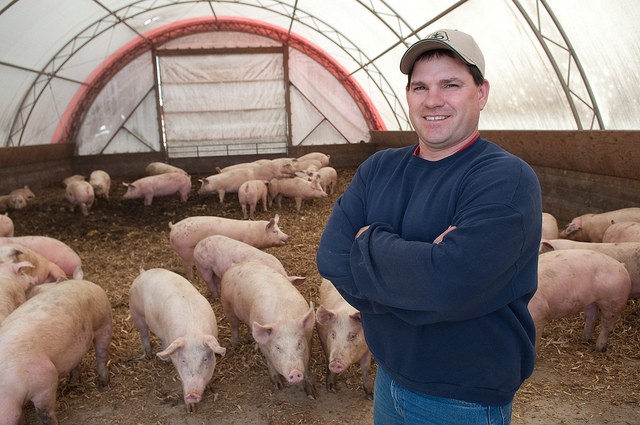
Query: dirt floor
(571,384)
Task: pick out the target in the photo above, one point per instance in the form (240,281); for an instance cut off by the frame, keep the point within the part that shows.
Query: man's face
(444,105)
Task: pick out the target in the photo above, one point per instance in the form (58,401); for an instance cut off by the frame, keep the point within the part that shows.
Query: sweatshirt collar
(416,152)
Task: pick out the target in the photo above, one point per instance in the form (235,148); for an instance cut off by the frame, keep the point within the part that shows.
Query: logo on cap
(439,35)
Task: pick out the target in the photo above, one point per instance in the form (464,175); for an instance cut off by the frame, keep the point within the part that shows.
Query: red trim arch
(84,97)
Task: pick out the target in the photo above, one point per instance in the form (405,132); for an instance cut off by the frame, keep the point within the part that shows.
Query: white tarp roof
(552,64)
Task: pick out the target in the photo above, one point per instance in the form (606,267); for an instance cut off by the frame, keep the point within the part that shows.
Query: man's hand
(360,231)
(439,238)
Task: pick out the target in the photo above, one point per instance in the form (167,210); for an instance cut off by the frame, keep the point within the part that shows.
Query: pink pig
(155,168)
(297,188)
(168,305)
(213,255)
(279,319)
(51,249)
(80,193)
(250,193)
(591,227)
(628,253)
(159,185)
(43,270)
(6,226)
(574,280)
(47,337)
(185,235)
(12,202)
(101,182)
(623,231)
(340,331)
(549,226)
(14,284)
(25,192)
(328,177)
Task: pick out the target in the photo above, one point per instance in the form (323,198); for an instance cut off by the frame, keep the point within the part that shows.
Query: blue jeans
(395,405)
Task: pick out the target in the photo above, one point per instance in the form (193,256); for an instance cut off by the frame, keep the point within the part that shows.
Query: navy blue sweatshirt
(448,319)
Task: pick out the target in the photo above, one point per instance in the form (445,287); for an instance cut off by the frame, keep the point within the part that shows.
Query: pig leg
(221,195)
(298,204)
(607,322)
(591,315)
(141,324)
(184,194)
(234,323)
(74,376)
(244,212)
(275,376)
(148,198)
(252,210)
(207,275)
(44,398)
(264,202)
(367,381)
(307,382)
(101,341)
(84,209)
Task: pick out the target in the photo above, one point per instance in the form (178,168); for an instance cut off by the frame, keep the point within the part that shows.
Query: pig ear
(308,321)
(355,317)
(324,316)
(296,280)
(262,333)
(545,246)
(574,226)
(211,342)
(18,266)
(125,184)
(175,346)
(78,274)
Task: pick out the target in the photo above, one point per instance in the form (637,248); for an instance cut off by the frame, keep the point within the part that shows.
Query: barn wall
(579,171)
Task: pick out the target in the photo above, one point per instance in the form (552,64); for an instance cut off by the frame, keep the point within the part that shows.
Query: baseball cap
(458,42)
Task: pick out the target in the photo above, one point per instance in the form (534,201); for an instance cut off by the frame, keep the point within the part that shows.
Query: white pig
(328,177)
(6,226)
(549,226)
(168,305)
(627,253)
(43,269)
(250,193)
(14,284)
(51,249)
(12,202)
(230,181)
(574,280)
(47,337)
(340,331)
(185,235)
(591,227)
(213,255)
(155,168)
(101,182)
(279,319)
(318,156)
(69,179)
(297,188)
(80,193)
(25,192)
(623,231)
(159,185)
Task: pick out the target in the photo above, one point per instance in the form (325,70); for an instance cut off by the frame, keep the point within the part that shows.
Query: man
(437,245)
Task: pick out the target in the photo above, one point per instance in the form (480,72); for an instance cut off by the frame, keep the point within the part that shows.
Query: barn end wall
(579,171)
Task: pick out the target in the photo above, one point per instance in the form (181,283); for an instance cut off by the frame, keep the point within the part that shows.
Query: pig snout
(295,376)
(192,398)
(336,367)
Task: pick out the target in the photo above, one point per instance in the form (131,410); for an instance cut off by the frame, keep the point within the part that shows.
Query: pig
(213,255)
(185,235)
(250,165)
(297,188)
(623,231)
(43,269)
(14,284)
(549,226)
(159,185)
(230,181)
(80,193)
(69,179)
(591,227)
(6,226)
(25,192)
(318,156)
(51,249)
(168,305)
(627,253)
(342,338)
(574,280)
(249,193)
(155,168)
(101,182)
(328,177)
(12,202)
(46,338)
(278,318)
